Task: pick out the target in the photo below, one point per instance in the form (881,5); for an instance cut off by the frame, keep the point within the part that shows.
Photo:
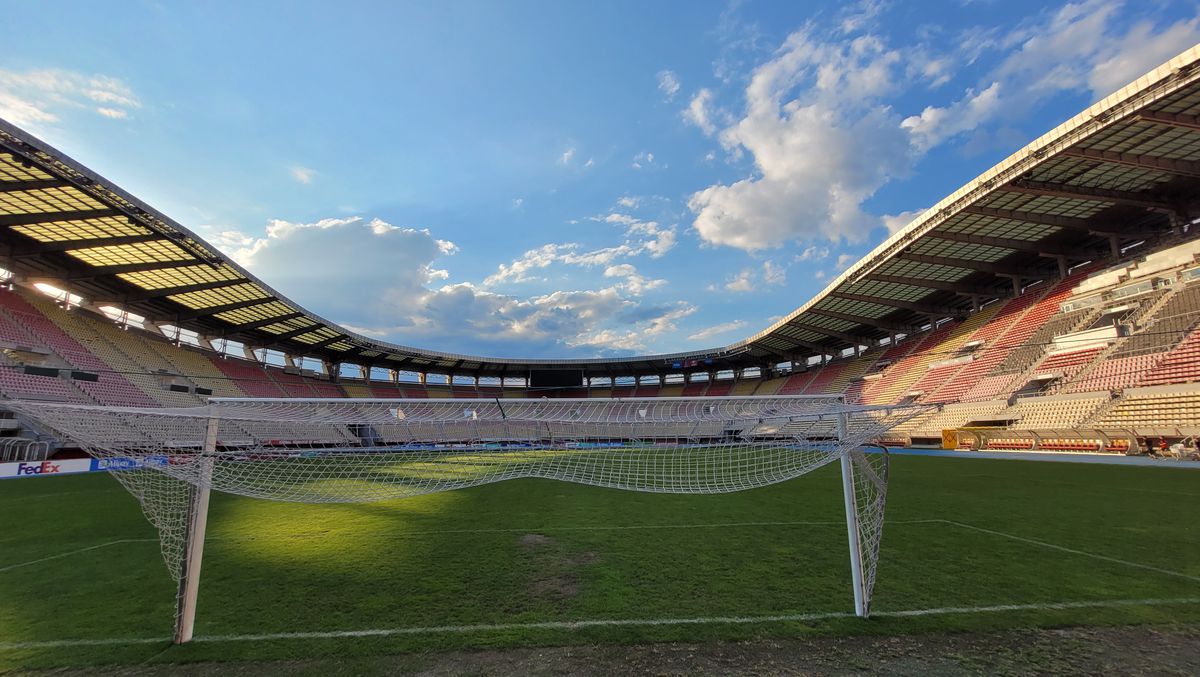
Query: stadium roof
(1125,170)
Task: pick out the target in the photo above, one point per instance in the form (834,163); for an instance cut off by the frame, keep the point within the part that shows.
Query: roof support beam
(185,289)
(32,184)
(852,339)
(940,285)
(967,264)
(923,308)
(1067,222)
(1170,119)
(267,322)
(97,271)
(870,322)
(299,332)
(9,220)
(68,245)
(335,340)
(213,310)
(1182,167)
(1121,197)
(1046,249)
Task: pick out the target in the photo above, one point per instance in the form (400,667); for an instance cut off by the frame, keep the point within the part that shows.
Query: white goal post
(359,450)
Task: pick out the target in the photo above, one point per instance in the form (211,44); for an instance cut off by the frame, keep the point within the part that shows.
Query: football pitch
(969,545)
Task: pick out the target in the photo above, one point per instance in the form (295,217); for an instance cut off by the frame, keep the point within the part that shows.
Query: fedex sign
(44,468)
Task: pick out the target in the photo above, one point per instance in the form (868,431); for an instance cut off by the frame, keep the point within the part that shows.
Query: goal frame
(197,517)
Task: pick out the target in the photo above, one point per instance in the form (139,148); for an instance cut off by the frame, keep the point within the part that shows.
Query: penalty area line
(606,623)
(60,555)
(1073,551)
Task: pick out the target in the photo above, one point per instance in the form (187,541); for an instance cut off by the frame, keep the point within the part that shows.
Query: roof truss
(213,310)
(923,308)
(1121,197)
(1045,248)
(1182,167)
(870,322)
(940,285)
(1008,269)
(9,220)
(32,184)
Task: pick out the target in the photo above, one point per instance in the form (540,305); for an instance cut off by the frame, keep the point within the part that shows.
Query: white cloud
(773,273)
(517,202)
(41,96)
(813,253)
(717,329)
(384,283)
(565,158)
(302,174)
(822,142)
(632,280)
(1140,50)
(1081,46)
(668,83)
(590,162)
(895,222)
(629,202)
(742,282)
(844,261)
(642,159)
(698,112)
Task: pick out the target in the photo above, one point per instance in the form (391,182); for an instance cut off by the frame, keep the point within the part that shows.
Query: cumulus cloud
(813,253)
(717,330)
(773,273)
(668,83)
(895,222)
(699,114)
(822,141)
(39,96)
(631,280)
(565,158)
(385,282)
(742,282)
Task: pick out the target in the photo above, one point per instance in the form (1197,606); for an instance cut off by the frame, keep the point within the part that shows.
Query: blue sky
(544,179)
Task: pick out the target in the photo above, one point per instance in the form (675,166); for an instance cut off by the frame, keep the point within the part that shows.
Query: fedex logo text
(43,468)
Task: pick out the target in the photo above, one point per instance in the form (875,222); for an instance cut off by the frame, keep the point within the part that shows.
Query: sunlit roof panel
(218,297)
(11,169)
(47,200)
(180,277)
(89,229)
(158,251)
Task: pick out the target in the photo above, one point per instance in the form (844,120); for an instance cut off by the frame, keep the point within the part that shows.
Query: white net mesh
(357,450)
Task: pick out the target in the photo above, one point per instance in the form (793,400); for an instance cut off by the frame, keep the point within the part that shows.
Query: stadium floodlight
(358,450)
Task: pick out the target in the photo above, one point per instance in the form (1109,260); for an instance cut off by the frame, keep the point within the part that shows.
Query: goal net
(358,450)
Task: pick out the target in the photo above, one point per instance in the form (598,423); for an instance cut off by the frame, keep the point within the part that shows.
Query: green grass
(527,551)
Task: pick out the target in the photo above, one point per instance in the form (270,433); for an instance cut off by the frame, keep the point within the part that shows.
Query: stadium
(1048,309)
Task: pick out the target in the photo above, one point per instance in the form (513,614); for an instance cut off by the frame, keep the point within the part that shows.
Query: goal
(359,450)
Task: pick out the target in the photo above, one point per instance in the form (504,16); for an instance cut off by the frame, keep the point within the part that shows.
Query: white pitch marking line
(1053,546)
(601,623)
(76,552)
